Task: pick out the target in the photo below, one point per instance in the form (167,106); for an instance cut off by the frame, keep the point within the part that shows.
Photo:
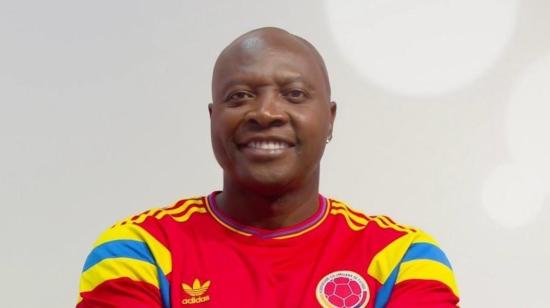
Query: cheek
(219,135)
(313,127)
(312,131)
(223,125)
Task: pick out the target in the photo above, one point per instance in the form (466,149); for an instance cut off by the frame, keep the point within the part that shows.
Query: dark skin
(271,117)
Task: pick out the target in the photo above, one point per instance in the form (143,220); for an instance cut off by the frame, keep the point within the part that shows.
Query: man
(269,239)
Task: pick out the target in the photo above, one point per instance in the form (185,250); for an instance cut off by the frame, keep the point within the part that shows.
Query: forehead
(262,60)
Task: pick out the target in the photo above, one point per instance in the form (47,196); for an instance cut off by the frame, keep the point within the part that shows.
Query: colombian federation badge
(343,289)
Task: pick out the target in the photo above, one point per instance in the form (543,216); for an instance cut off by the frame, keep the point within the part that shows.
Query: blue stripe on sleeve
(426,251)
(384,293)
(164,287)
(119,249)
(134,250)
(416,251)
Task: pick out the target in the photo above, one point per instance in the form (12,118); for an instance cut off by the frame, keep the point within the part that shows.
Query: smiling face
(271,113)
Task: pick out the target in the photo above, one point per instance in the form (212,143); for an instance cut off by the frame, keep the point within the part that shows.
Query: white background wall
(442,123)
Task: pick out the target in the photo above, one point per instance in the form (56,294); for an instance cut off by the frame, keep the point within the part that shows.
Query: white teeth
(268,145)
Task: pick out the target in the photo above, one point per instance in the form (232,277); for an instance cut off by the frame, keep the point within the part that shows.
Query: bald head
(249,46)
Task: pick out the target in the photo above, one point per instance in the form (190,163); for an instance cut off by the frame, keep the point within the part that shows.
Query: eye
(295,95)
(239,96)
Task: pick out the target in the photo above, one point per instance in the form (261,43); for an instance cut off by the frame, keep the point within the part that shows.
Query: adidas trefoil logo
(196,291)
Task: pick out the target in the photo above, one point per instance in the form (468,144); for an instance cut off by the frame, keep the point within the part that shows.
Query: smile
(265,148)
(267,145)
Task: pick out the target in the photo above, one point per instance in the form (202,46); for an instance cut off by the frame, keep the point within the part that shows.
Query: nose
(267,111)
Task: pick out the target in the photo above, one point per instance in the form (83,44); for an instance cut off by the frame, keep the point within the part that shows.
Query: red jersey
(191,255)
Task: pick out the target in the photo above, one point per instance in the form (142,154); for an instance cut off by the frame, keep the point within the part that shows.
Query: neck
(269,211)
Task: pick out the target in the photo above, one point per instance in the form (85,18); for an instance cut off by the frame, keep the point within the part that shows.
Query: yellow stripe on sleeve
(423,237)
(114,268)
(162,255)
(427,270)
(388,258)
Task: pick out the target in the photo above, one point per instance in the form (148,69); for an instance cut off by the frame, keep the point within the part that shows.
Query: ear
(332,117)
(210,109)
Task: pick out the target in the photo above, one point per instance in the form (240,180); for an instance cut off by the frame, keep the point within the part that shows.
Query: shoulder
(407,262)
(133,257)
(396,247)
(138,247)
(179,211)
(358,221)
(150,223)
(153,222)
(144,236)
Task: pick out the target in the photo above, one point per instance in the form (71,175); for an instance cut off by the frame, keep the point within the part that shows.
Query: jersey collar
(287,232)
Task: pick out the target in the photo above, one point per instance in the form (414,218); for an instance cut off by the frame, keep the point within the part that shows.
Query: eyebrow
(281,80)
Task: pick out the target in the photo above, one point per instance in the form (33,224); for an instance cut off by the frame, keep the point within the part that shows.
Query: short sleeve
(414,272)
(126,268)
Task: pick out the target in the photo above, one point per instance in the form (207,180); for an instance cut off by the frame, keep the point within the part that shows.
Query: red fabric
(119,293)
(247,271)
(417,293)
